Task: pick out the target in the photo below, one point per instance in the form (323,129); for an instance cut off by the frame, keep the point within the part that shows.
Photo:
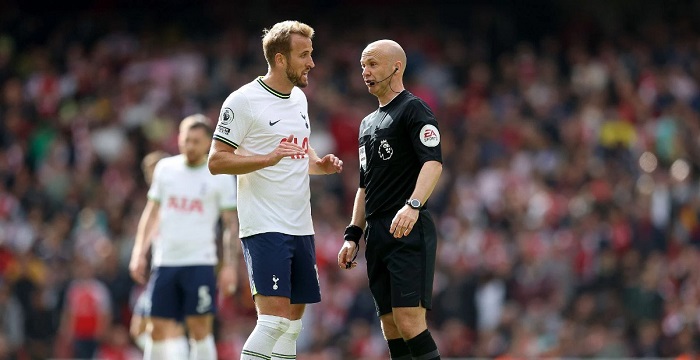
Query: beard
(194,157)
(295,78)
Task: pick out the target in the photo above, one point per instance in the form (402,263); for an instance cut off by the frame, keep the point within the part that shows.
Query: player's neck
(197,163)
(278,82)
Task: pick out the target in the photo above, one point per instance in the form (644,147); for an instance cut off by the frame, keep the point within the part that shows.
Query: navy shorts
(282,265)
(181,291)
(401,271)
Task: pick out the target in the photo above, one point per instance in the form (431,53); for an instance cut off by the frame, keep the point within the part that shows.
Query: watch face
(414,203)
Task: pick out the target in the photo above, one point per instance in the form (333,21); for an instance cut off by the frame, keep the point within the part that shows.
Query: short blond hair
(187,122)
(278,38)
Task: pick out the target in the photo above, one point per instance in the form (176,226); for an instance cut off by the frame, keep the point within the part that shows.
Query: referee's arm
(358,209)
(406,218)
(427,179)
(349,250)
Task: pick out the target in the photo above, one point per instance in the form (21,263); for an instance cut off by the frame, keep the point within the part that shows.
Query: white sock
(142,340)
(177,348)
(169,349)
(286,345)
(204,349)
(263,338)
(153,350)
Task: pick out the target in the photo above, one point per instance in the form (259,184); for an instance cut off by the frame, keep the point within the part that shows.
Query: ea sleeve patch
(429,136)
(226,116)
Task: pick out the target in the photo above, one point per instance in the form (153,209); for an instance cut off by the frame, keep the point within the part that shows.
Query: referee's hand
(403,222)
(346,255)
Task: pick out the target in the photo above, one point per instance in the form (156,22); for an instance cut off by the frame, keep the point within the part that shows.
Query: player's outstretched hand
(330,164)
(347,254)
(228,279)
(286,148)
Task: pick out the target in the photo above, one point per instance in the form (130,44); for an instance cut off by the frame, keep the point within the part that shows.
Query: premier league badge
(385,150)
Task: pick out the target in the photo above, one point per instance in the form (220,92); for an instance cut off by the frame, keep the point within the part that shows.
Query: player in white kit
(139,326)
(263,137)
(184,205)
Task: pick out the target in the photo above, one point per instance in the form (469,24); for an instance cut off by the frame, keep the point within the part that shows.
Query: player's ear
(280,60)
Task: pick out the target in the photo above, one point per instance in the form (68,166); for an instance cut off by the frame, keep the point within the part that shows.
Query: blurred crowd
(568,209)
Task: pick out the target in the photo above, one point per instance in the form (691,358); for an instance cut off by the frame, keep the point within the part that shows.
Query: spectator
(569,186)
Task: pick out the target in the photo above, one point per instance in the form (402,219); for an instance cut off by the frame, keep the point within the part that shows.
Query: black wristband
(353,233)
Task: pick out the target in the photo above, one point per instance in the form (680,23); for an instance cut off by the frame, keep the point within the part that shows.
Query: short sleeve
(154,192)
(362,154)
(362,178)
(227,192)
(234,120)
(424,132)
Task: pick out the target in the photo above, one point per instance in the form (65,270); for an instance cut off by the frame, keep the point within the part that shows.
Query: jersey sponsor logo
(385,150)
(223,129)
(226,116)
(183,204)
(272,123)
(304,145)
(429,136)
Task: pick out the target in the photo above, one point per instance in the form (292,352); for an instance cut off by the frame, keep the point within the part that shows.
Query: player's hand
(330,164)
(228,279)
(403,222)
(346,255)
(137,269)
(285,148)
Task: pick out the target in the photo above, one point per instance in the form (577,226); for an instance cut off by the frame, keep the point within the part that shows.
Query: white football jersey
(191,199)
(255,119)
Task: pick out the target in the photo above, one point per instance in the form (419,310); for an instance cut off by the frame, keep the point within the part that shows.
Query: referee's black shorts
(401,271)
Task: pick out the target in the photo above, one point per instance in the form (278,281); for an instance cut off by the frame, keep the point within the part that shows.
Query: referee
(400,163)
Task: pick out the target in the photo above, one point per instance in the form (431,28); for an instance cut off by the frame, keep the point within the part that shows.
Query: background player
(184,205)
(138,327)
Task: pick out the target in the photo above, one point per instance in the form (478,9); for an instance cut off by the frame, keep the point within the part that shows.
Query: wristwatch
(414,203)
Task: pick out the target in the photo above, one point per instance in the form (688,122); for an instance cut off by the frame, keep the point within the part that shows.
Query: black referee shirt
(395,141)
